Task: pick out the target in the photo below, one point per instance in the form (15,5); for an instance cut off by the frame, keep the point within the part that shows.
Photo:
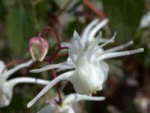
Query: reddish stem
(50,30)
(14,62)
(60,55)
(91,6)
(55,55)
(54,75)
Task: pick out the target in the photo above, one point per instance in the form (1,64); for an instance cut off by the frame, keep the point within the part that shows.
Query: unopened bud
(38,48)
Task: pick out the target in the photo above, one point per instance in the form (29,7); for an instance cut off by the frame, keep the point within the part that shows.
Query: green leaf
(20,27)
(124,16)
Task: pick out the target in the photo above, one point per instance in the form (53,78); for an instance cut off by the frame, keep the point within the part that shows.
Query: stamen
(109,41)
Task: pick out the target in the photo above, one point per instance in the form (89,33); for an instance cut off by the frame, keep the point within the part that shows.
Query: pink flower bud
(38,47)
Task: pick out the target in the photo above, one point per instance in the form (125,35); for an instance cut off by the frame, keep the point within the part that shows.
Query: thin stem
(58,88)
(13,62)
(53,33)
(64,76)
(60,55)
(90,6)
(109,41)
(65,7)
(54,55)
(21,80)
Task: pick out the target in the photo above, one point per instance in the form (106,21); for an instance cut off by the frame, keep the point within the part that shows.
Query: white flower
(145,20)
(88,70)
(6,86)
(67,104)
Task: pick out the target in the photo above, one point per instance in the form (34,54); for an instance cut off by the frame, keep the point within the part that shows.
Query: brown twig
(14,62)
(53,33)
(54,75)
(97,12)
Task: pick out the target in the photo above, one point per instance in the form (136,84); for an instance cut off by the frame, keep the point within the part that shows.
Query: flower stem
(90,6)
(57,88)
(52,32)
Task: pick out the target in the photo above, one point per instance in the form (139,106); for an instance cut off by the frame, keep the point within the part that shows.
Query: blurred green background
(128,86)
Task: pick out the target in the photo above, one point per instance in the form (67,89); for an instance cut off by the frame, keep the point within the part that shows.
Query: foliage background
(129,81)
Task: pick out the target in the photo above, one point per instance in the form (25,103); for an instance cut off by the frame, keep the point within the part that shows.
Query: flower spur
(88,70)
(6,86)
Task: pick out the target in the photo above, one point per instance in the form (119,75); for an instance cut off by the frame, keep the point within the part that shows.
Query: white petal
(21,80)
(75,46)
(85,35)
(89,98)
(64,76)
(48,67)
(105,67)
(145,21)
(6,93)
(18,67)
(73,98)
(88,78)
(119,54)
(2,67)
(123,46)
(97,28)
(48,109)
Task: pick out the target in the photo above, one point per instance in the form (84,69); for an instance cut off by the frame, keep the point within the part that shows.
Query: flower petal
(119,54)
(63,76)
(18,67)
(75,46)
